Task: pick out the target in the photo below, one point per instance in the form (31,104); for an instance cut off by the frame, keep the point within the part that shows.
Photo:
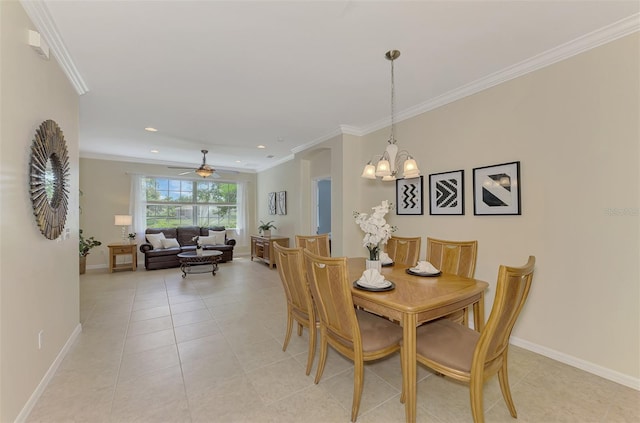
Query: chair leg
(312,346)
(403,393)
(323,357)
(358,380)
(475,391)
(299,329)
(503,377)
(287,336)
(465,316)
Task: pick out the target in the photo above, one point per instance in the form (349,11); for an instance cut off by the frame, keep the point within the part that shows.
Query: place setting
(425,269)
(385,260)
(372,280)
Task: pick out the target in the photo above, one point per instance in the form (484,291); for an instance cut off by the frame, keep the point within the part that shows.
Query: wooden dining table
(415,300)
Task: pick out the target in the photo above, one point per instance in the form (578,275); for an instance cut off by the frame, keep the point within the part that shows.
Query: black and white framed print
(282,202)
(409,196)
(496,189)
(272,203)
(446,193)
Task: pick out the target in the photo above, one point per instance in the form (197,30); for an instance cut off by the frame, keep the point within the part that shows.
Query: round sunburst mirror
(49,175)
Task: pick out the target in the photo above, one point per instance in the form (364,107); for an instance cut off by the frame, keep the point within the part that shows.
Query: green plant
(266,226)
(132,236)
(86,244)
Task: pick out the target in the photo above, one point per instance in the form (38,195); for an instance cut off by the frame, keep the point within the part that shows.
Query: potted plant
(86,244)
(265,228)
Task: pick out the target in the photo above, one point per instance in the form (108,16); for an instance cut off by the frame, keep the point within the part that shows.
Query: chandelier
(386,165)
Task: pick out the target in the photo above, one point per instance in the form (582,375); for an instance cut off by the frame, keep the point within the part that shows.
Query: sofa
(162,245)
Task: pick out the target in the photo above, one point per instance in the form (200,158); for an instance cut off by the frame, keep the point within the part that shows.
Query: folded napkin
(424,267)
(371,278)
(384,258)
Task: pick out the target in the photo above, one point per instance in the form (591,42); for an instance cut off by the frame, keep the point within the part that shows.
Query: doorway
(323,206)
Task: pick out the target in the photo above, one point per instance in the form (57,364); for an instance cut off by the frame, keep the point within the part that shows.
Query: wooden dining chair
(356,334)
(290,264)
(463,354)
(404,250)
(317,244)
(457,258)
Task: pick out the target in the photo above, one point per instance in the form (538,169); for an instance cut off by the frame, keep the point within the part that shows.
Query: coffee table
(191,259)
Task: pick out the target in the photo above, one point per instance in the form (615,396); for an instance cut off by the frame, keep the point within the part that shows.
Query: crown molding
(564,51)
(41,17)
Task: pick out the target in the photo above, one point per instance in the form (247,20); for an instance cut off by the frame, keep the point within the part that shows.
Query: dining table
(414,300)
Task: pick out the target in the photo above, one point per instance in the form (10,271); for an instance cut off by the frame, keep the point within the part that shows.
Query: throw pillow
(170,242)
(208,240)
(219,235)
(155,240)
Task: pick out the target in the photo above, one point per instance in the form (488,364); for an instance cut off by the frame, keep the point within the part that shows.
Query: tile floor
(159,348)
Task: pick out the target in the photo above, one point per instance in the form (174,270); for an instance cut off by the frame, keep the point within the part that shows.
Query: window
(177,202)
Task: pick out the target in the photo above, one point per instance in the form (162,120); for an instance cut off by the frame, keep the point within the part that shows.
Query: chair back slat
(455,257)
(404,250)
(290,264)
(317,244)
(512,290)
(331,291)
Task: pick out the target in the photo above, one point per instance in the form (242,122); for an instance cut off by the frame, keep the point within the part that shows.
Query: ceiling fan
(204,170)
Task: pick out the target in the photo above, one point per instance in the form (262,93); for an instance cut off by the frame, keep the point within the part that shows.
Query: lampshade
(369,171)
(123,220)
(204,171)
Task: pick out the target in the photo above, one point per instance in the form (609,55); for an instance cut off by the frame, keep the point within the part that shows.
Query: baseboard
(48,376)
(609,374)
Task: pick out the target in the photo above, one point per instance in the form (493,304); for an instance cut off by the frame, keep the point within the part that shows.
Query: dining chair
(457,258)
(463,354)
(290,264)
(317,244)
(356,334)
(404,250)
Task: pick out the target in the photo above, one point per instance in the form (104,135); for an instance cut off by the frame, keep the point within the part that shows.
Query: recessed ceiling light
(238,161)
(280,139)
(155,151)
(150,129)
(261,146)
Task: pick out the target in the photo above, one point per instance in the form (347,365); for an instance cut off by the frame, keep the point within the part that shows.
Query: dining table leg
(409,367)
(478,313)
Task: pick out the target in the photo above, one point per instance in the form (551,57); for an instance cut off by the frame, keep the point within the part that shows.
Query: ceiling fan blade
(185,173)
(179,167)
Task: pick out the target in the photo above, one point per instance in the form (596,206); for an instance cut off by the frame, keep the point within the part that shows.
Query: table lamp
(123,220)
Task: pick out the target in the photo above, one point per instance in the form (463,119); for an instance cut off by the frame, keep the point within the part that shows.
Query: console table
(262,248)
(116,250)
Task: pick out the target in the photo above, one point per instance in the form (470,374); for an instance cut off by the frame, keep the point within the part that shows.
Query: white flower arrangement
(376,229)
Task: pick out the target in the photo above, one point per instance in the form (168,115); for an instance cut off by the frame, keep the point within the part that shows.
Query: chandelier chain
(392,140)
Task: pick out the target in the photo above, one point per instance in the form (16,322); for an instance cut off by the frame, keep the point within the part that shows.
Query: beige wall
(574,127)
(106,188)
(38,277)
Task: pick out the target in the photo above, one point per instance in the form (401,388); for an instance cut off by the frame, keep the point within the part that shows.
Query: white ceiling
(230,75)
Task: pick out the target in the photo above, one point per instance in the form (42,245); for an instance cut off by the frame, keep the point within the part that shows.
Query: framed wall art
(272,203)
(446,193)
(409,198)
(496,189)
(282,202)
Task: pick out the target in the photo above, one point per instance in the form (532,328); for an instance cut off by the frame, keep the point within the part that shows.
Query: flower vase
(199,251)
(266,233)
(374,264)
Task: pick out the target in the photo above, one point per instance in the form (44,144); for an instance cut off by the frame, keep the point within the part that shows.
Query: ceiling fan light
(388,178)
(204,171)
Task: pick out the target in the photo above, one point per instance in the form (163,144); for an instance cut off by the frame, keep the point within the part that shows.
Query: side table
(120,249)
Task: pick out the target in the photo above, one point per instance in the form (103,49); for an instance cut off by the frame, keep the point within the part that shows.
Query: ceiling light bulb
(261,146)
(150,129)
